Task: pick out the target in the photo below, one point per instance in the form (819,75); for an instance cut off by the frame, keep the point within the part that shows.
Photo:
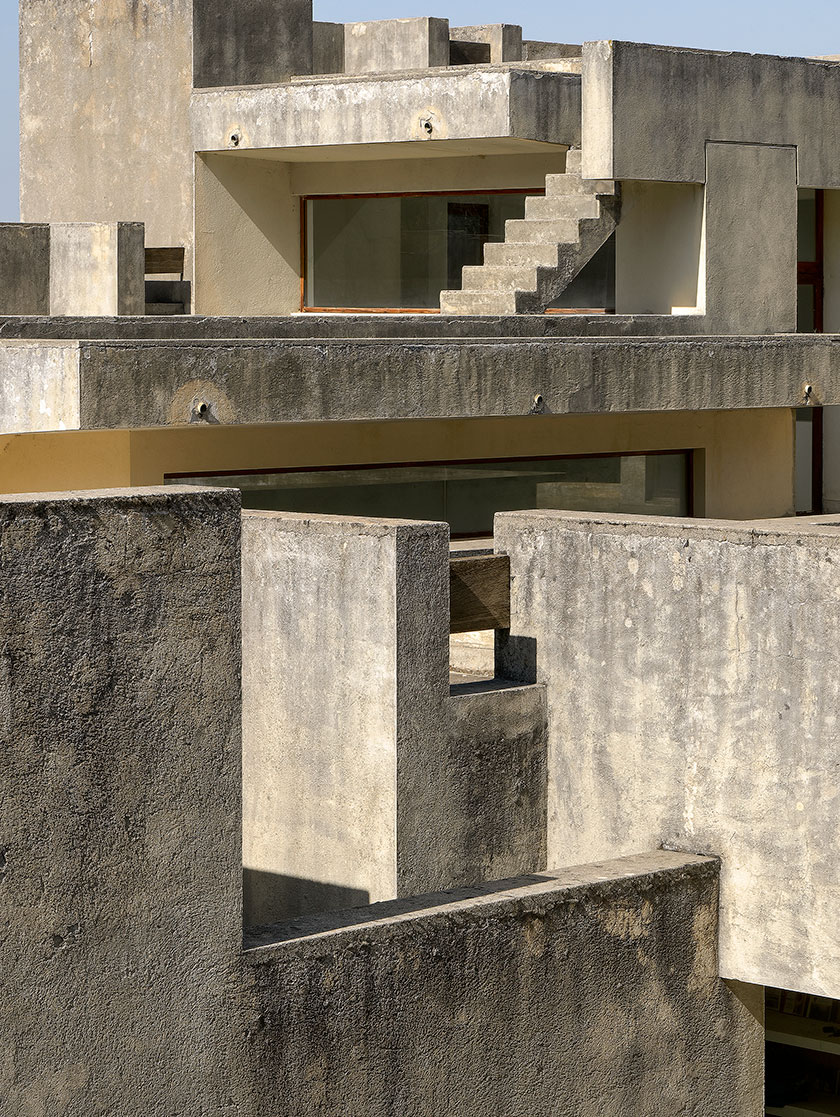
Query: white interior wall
(657,247)
(247,237)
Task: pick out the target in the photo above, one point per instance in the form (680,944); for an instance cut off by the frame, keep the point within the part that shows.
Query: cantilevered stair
(544,251)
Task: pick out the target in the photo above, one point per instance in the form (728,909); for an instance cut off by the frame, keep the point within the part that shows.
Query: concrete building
(419,480)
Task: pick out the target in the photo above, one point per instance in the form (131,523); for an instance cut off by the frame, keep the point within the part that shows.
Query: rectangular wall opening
(398,251)
(802,1059)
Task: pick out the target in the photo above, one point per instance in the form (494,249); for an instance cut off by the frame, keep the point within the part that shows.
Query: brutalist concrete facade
(263,847)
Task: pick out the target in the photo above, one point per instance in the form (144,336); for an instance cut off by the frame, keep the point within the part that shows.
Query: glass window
(467,495)
(395,252)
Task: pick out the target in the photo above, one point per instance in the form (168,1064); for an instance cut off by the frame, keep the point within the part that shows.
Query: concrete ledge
(158,384)
(423,107)
(632,129)
(616,961)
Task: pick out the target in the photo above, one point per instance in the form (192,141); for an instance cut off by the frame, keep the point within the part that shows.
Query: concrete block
(692,705)
(40,386)
(327,48)
(497,111)
(593,991)
(384,45)
(345,682)
(24,269)
(503,39)
(632,130)
(120,862)
(97,269)
(748,270)
(250,42)
(104,121)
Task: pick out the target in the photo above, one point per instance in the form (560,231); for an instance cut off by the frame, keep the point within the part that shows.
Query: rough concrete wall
(498,753)
(105,91)
(364,779)
(692,703)
(327,48)
(504,39)
(648,111)
(143,383)
(320,728)
(247,237)
(39,386)
(250,42)
(592,992)
(459,104)
(383,45)
(749,230)
(25,269)
(97,269)
(120,830)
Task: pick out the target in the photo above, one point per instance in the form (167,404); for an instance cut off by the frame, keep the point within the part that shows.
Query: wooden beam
(479,593)
(164,261)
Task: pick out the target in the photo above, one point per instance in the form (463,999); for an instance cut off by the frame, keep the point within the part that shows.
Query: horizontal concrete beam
(648,111)
(424,107)
(164,383)
(350,325)
(157,384)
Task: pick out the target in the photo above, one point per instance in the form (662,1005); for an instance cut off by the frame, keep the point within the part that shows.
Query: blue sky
(764,26)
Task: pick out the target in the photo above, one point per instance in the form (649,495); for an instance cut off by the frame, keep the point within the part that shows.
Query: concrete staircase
(542,253)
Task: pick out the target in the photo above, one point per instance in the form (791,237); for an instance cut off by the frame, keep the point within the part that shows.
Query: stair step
(562,231)
(509,254)
(573,184)
(493,303)
(573,156)
(489,278)
(561,206)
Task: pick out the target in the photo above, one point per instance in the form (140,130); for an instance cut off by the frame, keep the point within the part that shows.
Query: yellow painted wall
(746,467)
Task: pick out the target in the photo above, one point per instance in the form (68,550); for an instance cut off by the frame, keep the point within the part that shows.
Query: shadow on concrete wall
(273,897)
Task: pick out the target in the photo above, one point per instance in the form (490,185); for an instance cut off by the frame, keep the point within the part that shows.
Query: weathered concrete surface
(364,778)
(632,131)
(25,269)
(327,48)
(344,678)
(749,231)
(466,103)
(352,325)
(593,991)
(120,782)
(692,698)
(105,135)
(39,386)
(384,45)
(249,42)
(97,269)
(152,384)
(497,780)
(503,39)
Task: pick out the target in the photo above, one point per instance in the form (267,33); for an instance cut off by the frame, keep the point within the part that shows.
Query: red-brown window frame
(537,191)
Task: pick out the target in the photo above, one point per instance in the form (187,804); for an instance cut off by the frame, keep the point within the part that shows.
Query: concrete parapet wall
(40,387)
(593,991)
(249,42)
(120,782)
(692,704)
(364,779)
(459,104)
(25,269)
(648,111)
(97,268)
(383,45)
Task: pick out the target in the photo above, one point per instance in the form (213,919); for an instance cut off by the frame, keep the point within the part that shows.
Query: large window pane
(467,495)
(398,252)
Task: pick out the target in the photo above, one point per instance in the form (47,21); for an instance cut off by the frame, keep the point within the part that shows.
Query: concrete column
(97,269)
(749,231)
(120,782)
(24,269)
